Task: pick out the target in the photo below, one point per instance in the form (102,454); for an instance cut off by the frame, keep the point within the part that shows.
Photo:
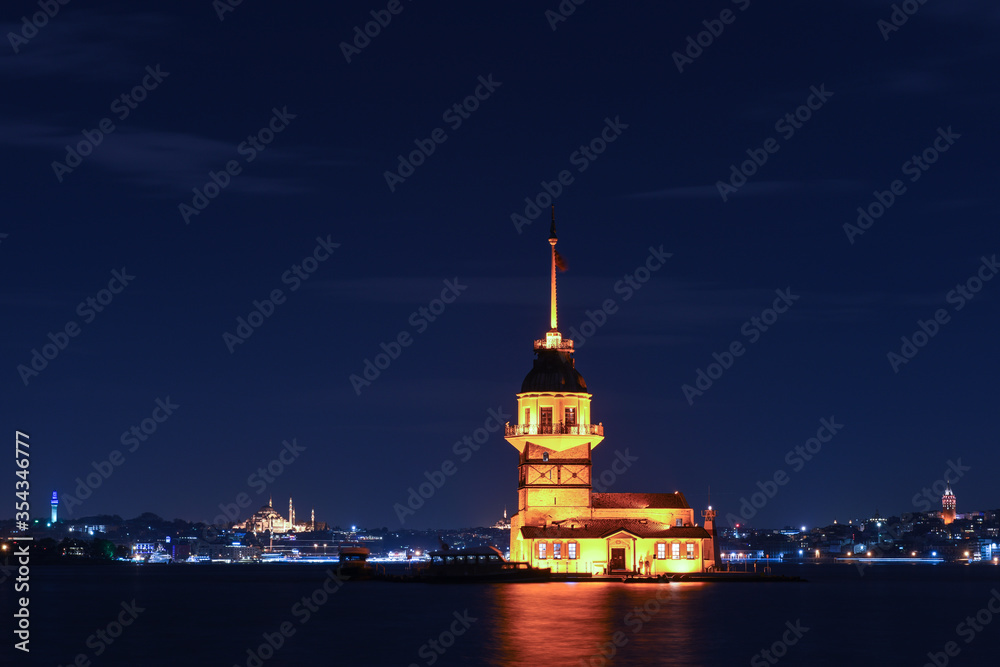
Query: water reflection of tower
(948,505)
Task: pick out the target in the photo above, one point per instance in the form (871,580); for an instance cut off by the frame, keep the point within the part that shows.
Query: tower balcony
(554,343)
(515,430)
(557,437)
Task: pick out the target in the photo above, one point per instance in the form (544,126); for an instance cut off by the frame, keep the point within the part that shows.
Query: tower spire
(552,241)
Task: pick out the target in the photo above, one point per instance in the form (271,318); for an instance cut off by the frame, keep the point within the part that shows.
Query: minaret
(948,505)
(312,520)
(54,504)
(291,514)
(554,435)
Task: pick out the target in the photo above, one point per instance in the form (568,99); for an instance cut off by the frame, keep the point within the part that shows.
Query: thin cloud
(84,44)
(752,189)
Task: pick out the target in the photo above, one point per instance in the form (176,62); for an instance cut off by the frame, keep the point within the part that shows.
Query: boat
(273,557)
(476,564)
(354,562)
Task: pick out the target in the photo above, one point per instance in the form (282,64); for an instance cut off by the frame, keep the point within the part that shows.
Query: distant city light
(803,529)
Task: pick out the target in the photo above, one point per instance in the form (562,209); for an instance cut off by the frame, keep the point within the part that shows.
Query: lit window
(557,550)
(541,550)
(545,425)
(661,550)
(572,550)
(690,550)
(675,550)
(570,417)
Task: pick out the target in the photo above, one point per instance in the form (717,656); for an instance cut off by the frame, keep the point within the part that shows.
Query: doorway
(617,559)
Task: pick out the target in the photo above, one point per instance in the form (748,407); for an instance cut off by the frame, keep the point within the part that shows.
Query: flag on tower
(557,258)
(560,262)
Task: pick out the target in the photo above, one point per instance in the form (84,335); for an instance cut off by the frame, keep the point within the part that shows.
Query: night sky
(643,126)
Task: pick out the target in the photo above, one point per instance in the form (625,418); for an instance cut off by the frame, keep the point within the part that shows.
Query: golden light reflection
(588,623)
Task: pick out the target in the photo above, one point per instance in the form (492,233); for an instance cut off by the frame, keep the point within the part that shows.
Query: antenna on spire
(552,229)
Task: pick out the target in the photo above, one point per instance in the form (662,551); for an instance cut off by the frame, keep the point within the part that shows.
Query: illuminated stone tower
(948,504)
(554,434)
(54,504)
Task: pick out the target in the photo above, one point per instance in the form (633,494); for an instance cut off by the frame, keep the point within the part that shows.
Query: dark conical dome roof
(554,370)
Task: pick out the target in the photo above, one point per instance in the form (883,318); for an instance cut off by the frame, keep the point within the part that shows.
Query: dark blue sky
(550,92)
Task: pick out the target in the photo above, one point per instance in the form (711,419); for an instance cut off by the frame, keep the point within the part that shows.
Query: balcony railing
(554,429)
(564,344)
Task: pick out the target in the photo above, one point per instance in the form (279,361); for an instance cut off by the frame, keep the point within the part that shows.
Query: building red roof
(639,500)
